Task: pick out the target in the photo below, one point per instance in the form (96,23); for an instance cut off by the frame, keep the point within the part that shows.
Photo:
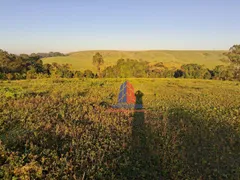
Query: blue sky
(58,25)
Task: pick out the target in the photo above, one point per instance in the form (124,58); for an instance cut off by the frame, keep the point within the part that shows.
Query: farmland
(63,129)
(83,59)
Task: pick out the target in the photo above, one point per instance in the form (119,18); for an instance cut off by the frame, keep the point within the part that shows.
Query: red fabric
(131,99)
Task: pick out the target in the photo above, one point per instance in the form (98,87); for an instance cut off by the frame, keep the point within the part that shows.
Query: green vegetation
(234,55)
(83,60)
(31,67)
(64,129)
(59,124)
(98,62)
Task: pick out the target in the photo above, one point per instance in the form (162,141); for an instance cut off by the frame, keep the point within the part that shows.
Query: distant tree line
(142,69)
(50,54)
(25,66)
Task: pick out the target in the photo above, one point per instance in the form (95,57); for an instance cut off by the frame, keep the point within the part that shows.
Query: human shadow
(142,161)
(183,144)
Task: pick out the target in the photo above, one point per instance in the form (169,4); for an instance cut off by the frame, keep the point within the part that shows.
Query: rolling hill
(83,59)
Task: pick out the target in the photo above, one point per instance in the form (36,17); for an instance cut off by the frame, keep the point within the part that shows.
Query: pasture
(83,59)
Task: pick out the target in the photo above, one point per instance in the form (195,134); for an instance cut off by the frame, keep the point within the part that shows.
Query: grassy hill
(83,59)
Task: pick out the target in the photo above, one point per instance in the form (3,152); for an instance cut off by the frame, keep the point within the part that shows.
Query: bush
(2,76)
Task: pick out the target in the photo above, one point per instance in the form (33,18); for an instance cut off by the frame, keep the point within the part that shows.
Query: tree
(88,74)
(47,69)
(178,73)
(234,55)
(60,70)
(234,58)
(4,60)
(78,74)
(223,72)
(98,61)
(207,75)
(194,71)
(50,54)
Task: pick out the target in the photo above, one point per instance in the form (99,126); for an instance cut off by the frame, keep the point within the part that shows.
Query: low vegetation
(64,129)
(58,123)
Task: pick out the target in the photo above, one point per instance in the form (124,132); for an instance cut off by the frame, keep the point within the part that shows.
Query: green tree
(4,60)
(78,74)
(223,72)
(60,70)
(98,61)
(110,72)
(194,71)
(234,55)
(178,73)
(88,74)
(234,58)
(47,69)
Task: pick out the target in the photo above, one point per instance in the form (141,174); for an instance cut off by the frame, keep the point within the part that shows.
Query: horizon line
(121,50)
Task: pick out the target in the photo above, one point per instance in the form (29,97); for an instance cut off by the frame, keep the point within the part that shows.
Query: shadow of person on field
(142,166)
(139,151)
(139,144)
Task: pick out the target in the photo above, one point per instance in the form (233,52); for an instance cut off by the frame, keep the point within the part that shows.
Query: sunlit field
(65,129)
(83,60)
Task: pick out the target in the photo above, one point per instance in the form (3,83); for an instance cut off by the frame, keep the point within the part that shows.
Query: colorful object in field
(127,97)
(126,94)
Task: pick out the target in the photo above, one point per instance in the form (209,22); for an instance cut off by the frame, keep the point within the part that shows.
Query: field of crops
(64,129)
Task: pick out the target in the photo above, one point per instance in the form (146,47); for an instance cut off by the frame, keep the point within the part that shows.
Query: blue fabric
(125,99)
(119,97)
(123,96)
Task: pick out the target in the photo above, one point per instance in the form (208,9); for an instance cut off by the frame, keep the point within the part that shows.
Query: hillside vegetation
(83,59)
(120,64)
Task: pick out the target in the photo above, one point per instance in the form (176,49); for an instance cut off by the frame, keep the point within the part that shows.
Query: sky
(28,26)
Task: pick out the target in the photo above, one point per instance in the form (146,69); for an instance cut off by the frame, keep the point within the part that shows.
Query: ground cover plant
(63,129)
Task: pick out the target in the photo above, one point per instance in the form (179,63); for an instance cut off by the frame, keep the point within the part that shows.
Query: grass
(189,129)
(83,59)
